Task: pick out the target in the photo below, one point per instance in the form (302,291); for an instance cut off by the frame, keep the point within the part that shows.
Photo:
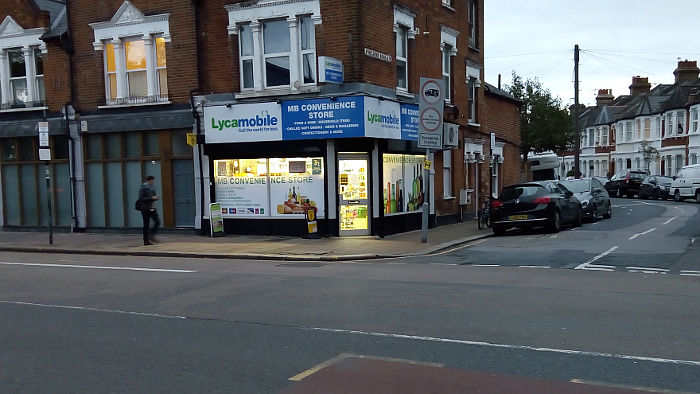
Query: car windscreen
(637,175)
(581,186)
(510,193)
(663,180)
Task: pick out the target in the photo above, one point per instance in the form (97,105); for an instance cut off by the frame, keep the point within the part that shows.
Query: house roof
(58,18)
(488,88)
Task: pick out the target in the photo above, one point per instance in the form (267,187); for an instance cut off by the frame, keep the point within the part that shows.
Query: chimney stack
(686,71)
(639,86)
(604,97)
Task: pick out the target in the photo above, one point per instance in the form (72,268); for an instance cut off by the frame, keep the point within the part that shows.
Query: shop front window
(24,194)
(270,187)
(403,185)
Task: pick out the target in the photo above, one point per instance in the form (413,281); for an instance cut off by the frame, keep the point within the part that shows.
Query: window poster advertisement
(264,188)
(241,187)
(296,184)
(403,184)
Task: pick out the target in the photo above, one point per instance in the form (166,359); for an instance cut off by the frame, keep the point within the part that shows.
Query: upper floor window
(694,120)
(21,66)
(473,83)
(628,131)
(473,39)
(680,122)
(669,125)
(405,30)
(448,46)
(276,44)
(447,3)
(134,56)
(604,135)
(647,129)
(402,58)
(638,135)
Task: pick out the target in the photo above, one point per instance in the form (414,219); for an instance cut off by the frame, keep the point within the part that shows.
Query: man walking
(147,195)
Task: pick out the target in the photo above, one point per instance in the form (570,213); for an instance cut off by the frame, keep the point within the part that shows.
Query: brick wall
(503,118)
(181,52)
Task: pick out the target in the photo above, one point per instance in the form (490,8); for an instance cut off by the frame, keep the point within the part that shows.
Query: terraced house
(653,130)
(289,105)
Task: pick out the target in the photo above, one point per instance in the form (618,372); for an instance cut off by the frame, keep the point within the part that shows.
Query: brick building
(276,131)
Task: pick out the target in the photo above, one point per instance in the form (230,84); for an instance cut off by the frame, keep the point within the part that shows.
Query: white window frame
(402,36)
(472,22)
(628,131)
(258,13)
(28,41)
(604,136)
(694,120)
(404,24)
(266,56)
(128,24)
(447,174)
(448,47)
(669,125)
(679,125)
(473,84)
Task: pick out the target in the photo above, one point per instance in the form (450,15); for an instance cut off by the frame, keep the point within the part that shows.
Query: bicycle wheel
(480,220)
(488,220)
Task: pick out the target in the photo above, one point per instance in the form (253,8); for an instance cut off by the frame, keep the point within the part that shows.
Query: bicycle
(484,216)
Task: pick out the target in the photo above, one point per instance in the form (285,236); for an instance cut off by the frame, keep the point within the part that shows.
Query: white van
(686,184)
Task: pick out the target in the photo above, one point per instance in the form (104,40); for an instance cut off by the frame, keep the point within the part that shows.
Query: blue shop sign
(323,118)
(409,122)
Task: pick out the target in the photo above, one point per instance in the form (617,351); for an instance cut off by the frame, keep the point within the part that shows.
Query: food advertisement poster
(241,187)
(216,219)
(403,186)
(296,184)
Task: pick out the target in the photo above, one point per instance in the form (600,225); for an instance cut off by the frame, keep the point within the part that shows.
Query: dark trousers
(147,215)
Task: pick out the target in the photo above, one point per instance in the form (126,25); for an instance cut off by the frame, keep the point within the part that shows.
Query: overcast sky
(618,40)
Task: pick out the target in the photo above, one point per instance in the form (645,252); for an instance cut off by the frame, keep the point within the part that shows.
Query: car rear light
(542,200)
(496,204)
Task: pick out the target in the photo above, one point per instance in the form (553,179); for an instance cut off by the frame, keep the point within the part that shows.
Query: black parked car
(625,183)
(655,186)
(595,201)
(533,204)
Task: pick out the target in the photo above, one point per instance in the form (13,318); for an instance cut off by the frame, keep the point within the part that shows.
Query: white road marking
(396,263)
(83,308)
(648,269)
(670,220)
(534,266)
(554,236)
(443,264)
(644,233)
(505,346)
(486,265)
(690,272)
(99,267)
(588,265)
(683,274)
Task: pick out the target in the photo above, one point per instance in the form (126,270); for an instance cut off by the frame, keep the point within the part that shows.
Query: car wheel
(579,218)
(555,223)
(677,196)
(498,230)
(697,196)
(608,212)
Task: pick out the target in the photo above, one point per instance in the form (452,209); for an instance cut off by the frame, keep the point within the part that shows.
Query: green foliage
(545,124)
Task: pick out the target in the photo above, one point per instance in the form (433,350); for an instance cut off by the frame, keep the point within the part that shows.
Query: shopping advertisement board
(340,117)
(243,123)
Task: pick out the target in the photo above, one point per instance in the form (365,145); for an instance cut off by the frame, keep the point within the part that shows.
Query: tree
(544,123)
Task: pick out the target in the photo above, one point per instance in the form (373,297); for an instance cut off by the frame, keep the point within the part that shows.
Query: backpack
(139,205)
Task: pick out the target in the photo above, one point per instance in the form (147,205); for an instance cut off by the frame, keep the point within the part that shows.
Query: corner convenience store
(354,158)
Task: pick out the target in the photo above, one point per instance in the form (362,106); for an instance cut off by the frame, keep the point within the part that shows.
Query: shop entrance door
(353,185)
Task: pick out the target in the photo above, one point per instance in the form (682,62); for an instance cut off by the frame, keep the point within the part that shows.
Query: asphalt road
(123,324)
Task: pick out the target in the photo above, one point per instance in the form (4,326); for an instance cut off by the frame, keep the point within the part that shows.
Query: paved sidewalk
(246,246)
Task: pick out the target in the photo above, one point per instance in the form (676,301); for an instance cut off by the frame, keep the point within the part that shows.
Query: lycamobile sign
(243,123)
(390,119)
(257,121)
